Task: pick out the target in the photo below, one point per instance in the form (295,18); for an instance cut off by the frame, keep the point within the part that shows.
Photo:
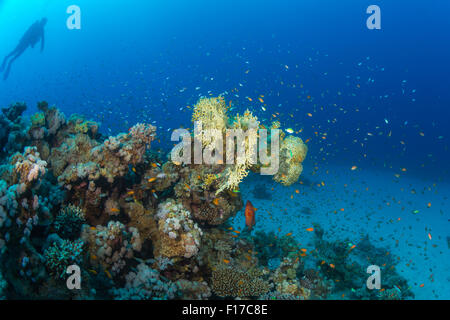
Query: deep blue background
(132,59)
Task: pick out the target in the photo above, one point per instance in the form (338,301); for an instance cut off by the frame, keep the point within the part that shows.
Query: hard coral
(29,165)
(111,245)
(145,284)
(81,157)
(231,282)
(61,255)
(69,221)
(179,235)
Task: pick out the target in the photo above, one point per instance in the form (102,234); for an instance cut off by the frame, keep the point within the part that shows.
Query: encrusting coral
(179,236)
(232,282)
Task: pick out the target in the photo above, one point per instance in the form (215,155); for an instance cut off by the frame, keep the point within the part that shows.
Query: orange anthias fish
(249,215)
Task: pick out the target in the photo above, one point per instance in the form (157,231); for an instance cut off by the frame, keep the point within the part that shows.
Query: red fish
(250,215)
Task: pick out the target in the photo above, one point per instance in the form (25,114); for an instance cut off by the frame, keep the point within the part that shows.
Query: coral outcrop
(292,153)
(179,236)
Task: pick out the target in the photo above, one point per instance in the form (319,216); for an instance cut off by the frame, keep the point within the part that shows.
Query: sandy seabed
(400,214)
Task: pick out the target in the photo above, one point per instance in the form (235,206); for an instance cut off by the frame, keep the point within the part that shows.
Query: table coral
(69,221)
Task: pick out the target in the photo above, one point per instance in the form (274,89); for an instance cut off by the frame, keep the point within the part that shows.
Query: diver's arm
(42,41)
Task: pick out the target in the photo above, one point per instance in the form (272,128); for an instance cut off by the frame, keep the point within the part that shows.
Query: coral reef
(347,267)
(292,153)
(145,284)
(110,246)
(179,236)
(218,128)
(143,227)
(69,221)
(28,166)
(12,134)
(79,157)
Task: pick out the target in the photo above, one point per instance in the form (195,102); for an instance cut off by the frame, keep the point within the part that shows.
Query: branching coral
(69,221)
(62,254)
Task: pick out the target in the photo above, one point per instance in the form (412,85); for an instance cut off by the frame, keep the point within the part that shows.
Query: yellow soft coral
(235,173)
(233,177)
(209,179)
(212,113)
(245,122)
(292,153)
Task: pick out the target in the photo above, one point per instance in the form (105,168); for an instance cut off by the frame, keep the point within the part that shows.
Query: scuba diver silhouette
(32,36)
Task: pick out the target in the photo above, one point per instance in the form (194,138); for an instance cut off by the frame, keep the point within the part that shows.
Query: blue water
(375,99)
